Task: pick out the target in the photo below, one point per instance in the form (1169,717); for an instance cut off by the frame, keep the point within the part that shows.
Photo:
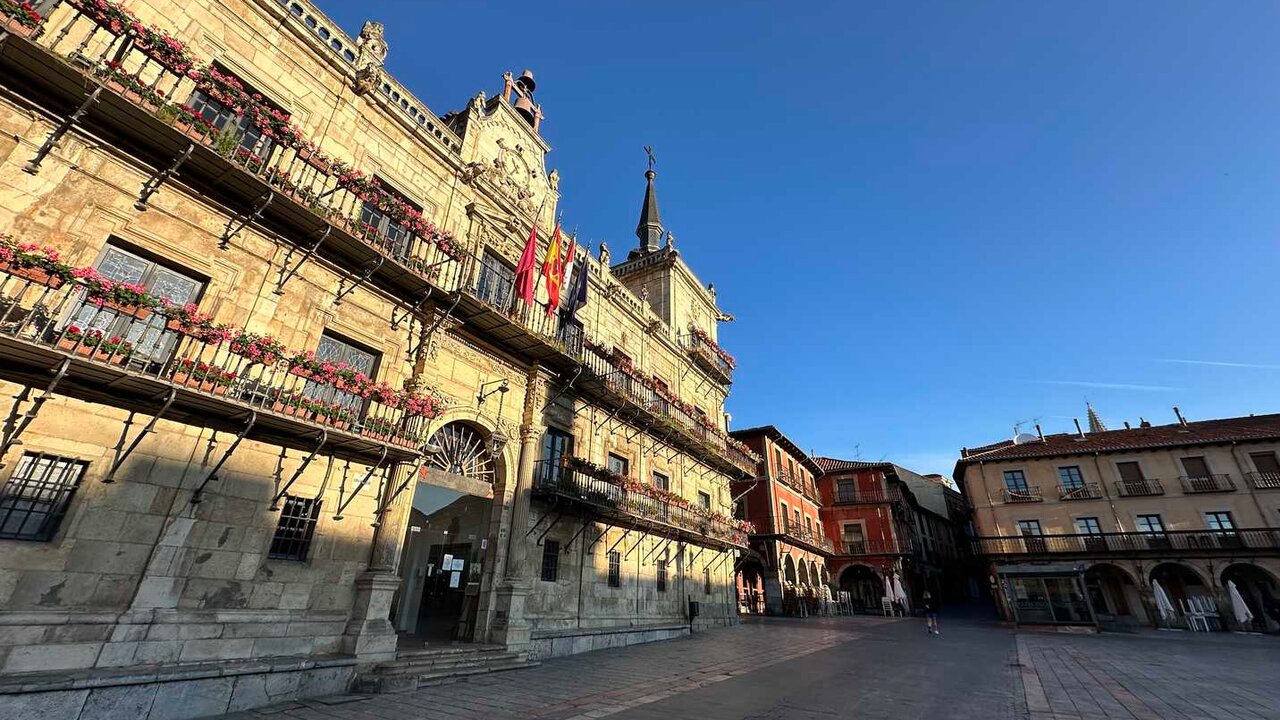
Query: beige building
(1090,527)
(343,442)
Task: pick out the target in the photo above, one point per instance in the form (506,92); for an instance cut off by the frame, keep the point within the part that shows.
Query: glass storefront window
(1050,600)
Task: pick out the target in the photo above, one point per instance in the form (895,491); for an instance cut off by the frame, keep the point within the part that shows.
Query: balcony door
(557,448)
(1132,478)
(854,539)
(497,282)
(1198,477)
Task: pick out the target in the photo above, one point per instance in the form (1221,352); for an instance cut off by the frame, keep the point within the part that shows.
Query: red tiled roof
(1204,432)
(773,433)
(833,465)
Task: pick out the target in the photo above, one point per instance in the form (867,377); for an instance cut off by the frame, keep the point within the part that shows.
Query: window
(1030,528)
(557,448)
(497,282)
(1195,467)
(151,341)
(1015,481)
(797,516)
(777,460)
(662,482)
(1150,524)
(808,524)
(791,468)
(1070,477)
(853,537)
(619,465)
(335,350)
(550,560)
(35,498)
(661,568)
(297,523)
(846,490)
(1088,526)
(397,237)
(706,581)
(786,519)
(227,120)
(740,509)
(615,569)
(1219,521)
(1266,463)
(704,500)
(1130,472)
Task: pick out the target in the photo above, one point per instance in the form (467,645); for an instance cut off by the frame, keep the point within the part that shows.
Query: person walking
(931,615)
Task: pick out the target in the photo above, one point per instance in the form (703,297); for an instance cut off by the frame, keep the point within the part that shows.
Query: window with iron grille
(615,569)
(396,235)
(228,121)
(35,498)
(295,528)
(550,560)
(335,349)
(661,567)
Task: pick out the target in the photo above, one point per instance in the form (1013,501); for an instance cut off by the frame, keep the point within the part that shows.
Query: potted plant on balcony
(203,376)
(126,298)
(186,318)
(189,121)
(448,245)
(40,265)
(105,14)
(257,348)
(94,343)
(311,155)
(20,17)
(169,53)
(378,429)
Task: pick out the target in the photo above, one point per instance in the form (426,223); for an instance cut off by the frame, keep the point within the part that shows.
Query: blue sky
(932,220)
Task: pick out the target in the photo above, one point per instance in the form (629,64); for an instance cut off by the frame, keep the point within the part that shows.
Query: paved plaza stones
(861,667)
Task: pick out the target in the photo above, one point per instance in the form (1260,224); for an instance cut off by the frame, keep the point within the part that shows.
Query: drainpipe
(1097,466)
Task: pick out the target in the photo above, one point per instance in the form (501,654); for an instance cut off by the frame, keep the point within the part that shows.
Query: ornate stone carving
(553,180)
(604,255)
(372,53)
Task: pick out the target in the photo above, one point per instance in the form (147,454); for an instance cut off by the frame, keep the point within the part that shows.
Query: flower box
(39,276)
(141,312)
(14,26)
(91,351)
(314,158)
(208,386)
(375,436)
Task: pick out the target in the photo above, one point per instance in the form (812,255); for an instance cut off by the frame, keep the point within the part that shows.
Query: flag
(576,298)
(524,270)
(553,270)
(566,267)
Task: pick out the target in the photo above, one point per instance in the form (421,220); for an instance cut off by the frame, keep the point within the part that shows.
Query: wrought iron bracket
(15,411)
(618,542)
(554,522)
(198,495)
(13,431)
(409,310)
(585,524)
(600,536)
(288,272)
(121,452)
(343,505)
(695,557)
(576,374)
(33,165)
(239,222)
(344,291)
(609,417)
(154,182)
(426,337)
(654,553)
(282,489)
(647,530)
(389,498)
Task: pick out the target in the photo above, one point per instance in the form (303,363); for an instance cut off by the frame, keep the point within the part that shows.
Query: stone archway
(751,592)
(864,586)
(789,570)
(1260,592)
(1114,595)
(1181,583)
(804,574)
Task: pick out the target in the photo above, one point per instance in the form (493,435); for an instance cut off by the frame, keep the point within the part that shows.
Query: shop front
(1046,594)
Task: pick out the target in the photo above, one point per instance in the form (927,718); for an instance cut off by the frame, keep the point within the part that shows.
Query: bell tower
(525,105)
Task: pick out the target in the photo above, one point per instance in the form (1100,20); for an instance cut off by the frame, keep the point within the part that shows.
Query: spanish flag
(553,270)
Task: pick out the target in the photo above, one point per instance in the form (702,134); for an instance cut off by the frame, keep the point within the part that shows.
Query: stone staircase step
(442,678)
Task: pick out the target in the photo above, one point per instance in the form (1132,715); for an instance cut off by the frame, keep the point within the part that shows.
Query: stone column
(509,626)
(370,634)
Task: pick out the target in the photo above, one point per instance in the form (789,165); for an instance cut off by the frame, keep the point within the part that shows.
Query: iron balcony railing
(1086,491)
(1021,495)
(664,414)
(1255,539)
(1139,488)
(1264,480)
(136,358)
(707,357)
(614,502)
(888,546)
(797,484)
(1207,483)
(860,496)
(813,538)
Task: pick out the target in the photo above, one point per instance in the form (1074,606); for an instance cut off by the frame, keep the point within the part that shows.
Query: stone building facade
(1081,528)
(785,573)
(196,515)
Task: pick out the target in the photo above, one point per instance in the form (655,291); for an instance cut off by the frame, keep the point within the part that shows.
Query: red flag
(553,269)
(524,270)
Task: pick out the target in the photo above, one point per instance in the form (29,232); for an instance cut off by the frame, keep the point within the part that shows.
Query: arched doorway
(804,573)
(864,586)
(1114,596)
(789,570)
(1260,592)
(447,543)
(1181,584)
(751,599)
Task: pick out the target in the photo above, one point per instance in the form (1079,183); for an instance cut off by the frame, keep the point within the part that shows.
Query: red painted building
(785,571)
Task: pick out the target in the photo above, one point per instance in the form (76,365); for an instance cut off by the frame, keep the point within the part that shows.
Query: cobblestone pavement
(826,668)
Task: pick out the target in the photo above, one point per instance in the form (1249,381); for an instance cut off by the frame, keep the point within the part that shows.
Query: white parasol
(1243,615)
(898,593)
(1163,605)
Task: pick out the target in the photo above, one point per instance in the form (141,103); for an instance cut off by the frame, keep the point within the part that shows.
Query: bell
(526,108)
(525,82)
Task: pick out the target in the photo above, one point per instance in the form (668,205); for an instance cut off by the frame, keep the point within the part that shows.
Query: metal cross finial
(648,150)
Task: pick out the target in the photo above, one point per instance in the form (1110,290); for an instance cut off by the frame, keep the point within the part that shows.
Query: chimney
(1039,432)
(1143,422)
(1126,425)
(1181,420)
(1078,430)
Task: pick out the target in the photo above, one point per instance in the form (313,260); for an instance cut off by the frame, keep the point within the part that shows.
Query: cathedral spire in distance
(1095,422)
